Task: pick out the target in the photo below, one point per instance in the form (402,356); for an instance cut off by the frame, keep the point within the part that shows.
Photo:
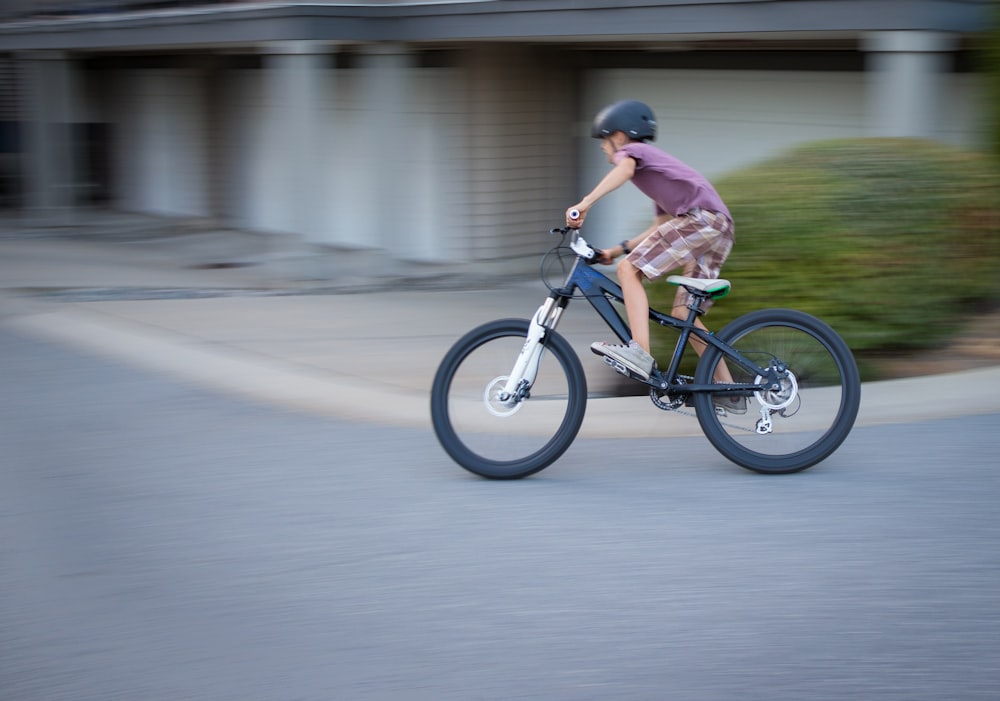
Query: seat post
(695,305)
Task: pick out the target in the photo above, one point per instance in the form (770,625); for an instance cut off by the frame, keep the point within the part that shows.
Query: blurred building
(446,131)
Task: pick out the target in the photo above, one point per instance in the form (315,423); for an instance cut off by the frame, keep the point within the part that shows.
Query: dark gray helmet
(634,118)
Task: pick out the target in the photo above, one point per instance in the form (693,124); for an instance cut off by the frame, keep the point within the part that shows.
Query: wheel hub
(494,399)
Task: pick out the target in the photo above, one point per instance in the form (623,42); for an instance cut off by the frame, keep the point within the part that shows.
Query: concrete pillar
(297,72)
(388,138)
(50,166)
(213,81)
(905,78)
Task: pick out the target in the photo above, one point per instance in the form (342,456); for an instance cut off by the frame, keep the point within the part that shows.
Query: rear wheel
(800,423)
(503,440)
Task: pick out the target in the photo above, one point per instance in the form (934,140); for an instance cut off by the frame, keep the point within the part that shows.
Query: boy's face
(610,144)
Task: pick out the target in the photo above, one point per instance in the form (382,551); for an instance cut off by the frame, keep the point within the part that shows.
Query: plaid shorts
(699,241)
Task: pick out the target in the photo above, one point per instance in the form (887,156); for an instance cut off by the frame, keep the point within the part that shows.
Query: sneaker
(724,403)
(729,404)
(631,358)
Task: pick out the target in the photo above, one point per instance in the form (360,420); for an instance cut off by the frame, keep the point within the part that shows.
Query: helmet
(634,118)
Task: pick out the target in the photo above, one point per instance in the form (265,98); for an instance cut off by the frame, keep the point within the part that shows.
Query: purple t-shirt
(674,186)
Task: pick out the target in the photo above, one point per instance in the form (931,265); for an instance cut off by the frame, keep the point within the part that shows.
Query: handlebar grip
(574,214)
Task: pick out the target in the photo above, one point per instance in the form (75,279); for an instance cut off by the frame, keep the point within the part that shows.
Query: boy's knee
(625,267)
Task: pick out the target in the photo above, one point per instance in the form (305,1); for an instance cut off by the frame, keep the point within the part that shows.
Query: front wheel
(503,439)
(801,422)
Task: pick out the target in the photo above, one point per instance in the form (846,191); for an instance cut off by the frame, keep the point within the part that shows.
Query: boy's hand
(605,256)
(575,216)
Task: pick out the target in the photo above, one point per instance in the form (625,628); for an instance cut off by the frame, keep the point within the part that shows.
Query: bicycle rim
(805,420)
(500,441)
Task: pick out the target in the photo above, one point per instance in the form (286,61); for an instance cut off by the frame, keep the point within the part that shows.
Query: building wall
(356,154)
(520,156)
(10,134)
(466,155)
(474,161)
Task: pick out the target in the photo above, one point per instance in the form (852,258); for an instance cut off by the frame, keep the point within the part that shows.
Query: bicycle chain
(678,410)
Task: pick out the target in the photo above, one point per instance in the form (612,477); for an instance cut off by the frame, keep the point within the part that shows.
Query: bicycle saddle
(712,288)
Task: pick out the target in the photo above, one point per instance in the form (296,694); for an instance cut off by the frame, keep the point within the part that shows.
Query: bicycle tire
(530,437)
(823,393)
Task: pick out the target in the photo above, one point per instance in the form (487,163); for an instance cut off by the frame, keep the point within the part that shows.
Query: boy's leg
(635,356)
(722,373)
(636,302)
(689,240)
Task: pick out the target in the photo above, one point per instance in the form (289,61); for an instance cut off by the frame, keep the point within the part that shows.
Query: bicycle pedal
(617,366)
(622,369)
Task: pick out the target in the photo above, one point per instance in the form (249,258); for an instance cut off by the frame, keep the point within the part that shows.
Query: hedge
(895,242)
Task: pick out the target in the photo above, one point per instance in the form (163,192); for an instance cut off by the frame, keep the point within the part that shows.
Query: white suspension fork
(522,376)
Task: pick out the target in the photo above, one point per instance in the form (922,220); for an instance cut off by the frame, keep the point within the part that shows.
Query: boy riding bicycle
(692,229)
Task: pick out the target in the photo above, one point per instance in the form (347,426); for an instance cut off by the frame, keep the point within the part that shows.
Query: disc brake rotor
(777,399)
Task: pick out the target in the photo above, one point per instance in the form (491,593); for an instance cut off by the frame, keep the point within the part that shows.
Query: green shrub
(991,64)
(894,242)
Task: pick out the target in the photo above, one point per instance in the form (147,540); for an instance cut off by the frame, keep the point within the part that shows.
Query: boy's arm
(608,255)
(619,175)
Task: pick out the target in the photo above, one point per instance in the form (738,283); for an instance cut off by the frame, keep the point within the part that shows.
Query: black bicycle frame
(597,288)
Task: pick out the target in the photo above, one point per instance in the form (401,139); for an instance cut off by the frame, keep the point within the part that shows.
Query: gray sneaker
(726,404)
(630,358)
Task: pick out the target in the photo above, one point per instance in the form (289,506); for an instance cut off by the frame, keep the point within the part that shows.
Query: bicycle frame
(599,290)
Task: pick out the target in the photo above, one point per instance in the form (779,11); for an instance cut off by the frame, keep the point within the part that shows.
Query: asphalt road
(161,542)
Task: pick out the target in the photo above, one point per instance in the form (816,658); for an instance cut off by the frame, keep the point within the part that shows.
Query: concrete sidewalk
(208,308)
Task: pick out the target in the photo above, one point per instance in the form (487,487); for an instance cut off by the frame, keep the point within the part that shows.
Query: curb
(224,368)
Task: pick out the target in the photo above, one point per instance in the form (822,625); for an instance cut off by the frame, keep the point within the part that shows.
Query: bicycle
(503,410)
